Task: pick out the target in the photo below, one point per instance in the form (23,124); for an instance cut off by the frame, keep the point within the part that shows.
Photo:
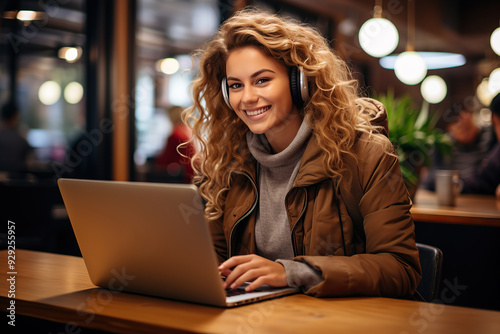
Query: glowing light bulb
(169,65)
(410,68)
(378,37)
(494,81)
(433,89)
(73,92)
(49,92)
(495,41)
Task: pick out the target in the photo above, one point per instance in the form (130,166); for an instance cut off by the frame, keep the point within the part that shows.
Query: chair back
(431,260)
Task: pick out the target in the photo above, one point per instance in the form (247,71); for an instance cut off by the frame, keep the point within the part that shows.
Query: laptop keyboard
(235,292)
(241,291)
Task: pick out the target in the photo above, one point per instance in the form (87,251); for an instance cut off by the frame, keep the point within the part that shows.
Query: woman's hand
(252,268)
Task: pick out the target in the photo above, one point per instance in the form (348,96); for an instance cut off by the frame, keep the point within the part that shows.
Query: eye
(235,85)
(262,80)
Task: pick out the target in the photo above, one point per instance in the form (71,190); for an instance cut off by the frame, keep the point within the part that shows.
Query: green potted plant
(413,133)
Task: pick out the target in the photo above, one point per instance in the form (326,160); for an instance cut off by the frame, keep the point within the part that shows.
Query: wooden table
(477,210)
(57,288)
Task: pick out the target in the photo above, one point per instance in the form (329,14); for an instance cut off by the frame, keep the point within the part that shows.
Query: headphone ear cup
(298,87)
(294,87)
(304,85)
(225,92)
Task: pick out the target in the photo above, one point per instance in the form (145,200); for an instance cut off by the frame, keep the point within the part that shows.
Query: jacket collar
(311,169)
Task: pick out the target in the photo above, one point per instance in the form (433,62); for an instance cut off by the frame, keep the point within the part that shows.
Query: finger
(234,261)
(225,272)
(233,268)
(247,276)
(274,275)
(256,284)
(236,277)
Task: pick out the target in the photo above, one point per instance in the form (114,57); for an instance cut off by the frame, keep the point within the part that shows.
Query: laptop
(152,239)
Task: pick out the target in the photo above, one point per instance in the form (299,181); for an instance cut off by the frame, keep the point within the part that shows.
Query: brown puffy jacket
(383,262)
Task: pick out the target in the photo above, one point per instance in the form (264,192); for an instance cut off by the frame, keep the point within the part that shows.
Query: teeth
(256,112)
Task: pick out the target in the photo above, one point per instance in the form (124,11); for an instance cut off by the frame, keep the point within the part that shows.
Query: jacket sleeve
(390,267)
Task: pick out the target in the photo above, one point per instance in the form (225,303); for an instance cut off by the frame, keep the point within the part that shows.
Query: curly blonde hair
(334,110)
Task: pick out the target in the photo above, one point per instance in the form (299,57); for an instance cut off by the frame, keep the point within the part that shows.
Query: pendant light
(483,93)
(494,81)
(378,36)
(495,41)
(409,66)
(433,89)
(49,93)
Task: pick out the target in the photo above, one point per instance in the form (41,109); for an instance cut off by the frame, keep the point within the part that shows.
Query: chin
(257,130)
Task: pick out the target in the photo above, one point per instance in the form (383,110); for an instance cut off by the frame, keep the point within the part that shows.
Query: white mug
(448,186)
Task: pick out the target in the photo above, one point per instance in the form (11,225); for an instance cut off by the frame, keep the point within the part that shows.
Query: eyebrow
(255,74)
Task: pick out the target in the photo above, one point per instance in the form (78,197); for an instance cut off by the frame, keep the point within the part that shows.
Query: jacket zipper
(244,216)
(294,225)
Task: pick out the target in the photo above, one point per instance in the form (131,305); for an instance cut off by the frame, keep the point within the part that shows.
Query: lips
(256,112)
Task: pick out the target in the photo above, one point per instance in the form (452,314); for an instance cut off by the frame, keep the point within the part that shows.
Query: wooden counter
(57,288)
(477,210)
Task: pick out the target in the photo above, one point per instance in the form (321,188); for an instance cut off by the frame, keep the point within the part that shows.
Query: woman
(272,161)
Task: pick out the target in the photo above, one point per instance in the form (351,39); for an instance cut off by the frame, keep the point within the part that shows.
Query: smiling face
(259,93)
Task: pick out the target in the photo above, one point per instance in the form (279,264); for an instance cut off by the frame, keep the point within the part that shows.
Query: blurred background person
(485,179)
(173,163)
(471,143)
(15,152)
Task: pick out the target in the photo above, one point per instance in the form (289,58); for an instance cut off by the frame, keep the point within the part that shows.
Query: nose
(249,95)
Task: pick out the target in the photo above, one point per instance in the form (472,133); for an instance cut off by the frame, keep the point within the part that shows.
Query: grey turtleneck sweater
(277,173)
